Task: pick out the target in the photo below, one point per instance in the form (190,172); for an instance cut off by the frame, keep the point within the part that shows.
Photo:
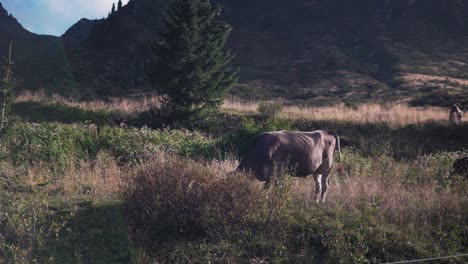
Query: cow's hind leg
(318,186)
(325,184)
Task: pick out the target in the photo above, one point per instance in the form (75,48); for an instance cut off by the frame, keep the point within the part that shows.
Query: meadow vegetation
(398,115)
(77,190)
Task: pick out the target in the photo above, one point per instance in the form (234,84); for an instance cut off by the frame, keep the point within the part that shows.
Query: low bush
(58,145)
(270,109)
(174,200)
(174,197)
(25,222)
(60,112)
(238,141)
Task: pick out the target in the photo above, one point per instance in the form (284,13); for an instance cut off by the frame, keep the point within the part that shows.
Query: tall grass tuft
(174,199)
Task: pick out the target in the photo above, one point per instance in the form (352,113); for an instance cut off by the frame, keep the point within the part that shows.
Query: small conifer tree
(119,5)
(191,66)
(7,85)
(113,9)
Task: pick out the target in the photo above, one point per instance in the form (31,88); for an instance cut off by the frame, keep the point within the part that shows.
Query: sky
(54,17)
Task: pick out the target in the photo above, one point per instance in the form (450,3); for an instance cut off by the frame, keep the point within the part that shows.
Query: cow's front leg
(318,186)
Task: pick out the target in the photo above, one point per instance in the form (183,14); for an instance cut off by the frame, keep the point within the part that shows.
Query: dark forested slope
(40,61)
(299,49)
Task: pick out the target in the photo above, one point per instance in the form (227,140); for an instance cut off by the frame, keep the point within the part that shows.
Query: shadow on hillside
(42,112)
(406,142)
(92,234)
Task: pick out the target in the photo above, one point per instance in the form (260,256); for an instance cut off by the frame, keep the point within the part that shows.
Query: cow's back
(308,150)
(301,151)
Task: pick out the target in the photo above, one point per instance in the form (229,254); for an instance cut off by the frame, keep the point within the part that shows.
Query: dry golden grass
(381,182)
(175,188)
(100,177)
(421,79)
(132,104)
(388,186)
(97,178)
(94,178)
(240,105)
(393,115)
(396,202)
(208,192)
(178,194)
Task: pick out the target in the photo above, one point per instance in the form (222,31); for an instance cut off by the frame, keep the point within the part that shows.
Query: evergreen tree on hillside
(113,9)
(7,85)
(119,5)
(191,66)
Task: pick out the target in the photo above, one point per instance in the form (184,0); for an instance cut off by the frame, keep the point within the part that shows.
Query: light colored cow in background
(305,153)
(455,116)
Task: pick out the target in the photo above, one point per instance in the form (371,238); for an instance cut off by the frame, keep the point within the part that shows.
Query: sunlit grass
(395,115)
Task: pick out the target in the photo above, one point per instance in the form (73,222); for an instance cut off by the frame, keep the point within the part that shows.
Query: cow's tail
(338,145)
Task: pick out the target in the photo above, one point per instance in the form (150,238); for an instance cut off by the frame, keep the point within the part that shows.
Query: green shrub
(59,112)
(270,109)
(239,141)
(58,146)
(49,143)
(352,105)
(25,226)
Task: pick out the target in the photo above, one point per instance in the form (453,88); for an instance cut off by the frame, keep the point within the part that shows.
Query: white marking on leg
(318,186)
(325,185)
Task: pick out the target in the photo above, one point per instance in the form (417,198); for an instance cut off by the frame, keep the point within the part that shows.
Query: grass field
(392,114)
(77,186)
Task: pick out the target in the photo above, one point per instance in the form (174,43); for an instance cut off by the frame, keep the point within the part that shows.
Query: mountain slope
(40,61)
(304,50)
(300,49)
(112,59)
(9,26)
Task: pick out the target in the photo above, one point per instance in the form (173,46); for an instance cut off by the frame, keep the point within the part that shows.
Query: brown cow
(455,115)
(307,153)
